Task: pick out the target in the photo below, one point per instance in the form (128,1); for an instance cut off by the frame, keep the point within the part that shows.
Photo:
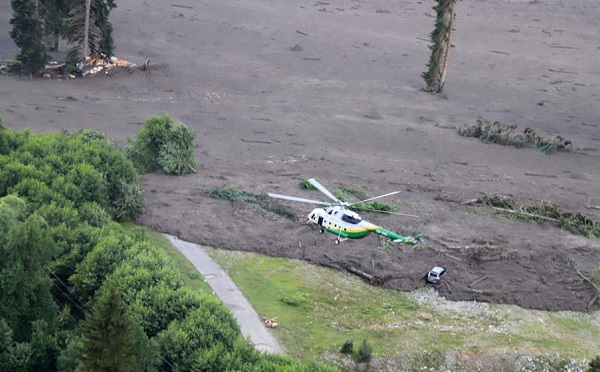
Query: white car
(435,275)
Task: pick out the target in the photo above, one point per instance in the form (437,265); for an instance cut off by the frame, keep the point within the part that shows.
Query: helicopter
(337,217)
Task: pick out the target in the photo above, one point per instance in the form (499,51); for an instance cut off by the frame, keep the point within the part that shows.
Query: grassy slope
(318,309)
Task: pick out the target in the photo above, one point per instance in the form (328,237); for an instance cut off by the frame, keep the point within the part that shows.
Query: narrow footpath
(250,324)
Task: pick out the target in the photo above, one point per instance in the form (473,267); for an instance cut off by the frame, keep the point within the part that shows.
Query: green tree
(441,36)
(27,32)
(24,285)
(44,346)
(594,365)
(111,338)
(89,28)
(364,354)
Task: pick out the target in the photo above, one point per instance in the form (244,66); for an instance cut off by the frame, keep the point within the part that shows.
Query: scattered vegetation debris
(509,135)
(374,206)
(263,200)
(573,222)
(305,185)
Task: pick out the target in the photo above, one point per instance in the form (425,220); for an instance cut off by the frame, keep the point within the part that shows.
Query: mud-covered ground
(278,91)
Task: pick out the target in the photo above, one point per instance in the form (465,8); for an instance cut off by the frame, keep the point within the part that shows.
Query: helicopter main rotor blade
(394,213)
(377,197)
(293,198)
(322,188)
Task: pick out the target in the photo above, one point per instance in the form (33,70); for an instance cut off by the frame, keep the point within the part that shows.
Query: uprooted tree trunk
(86,28)
(441,36)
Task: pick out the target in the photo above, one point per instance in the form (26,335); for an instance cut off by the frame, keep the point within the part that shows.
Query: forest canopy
(79,291)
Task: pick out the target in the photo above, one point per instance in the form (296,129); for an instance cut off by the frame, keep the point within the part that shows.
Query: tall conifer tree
(28,34)
(110,336)
(441,36)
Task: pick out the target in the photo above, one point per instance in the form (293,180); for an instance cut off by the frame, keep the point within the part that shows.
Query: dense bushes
(79,291)
(69,169)
(163,146)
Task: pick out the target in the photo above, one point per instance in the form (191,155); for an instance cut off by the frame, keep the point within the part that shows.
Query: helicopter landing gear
(321,230)
(337,241)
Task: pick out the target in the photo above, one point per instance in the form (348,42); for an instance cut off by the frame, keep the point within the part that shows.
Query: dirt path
(248,320)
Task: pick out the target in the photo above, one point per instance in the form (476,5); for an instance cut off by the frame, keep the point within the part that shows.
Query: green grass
(318,309)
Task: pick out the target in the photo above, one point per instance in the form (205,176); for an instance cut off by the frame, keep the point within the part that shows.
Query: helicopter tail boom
(398,238)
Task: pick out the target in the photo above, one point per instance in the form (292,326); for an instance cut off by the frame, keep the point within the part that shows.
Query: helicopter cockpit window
(350,219)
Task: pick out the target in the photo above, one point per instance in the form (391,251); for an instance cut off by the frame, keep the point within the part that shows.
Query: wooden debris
(540,175)
(451,256)
(375,280)
(255,141)
(587,280)
(471,201)
(447,286)
(592,302)
(525,214)
(479,280)
(563,71)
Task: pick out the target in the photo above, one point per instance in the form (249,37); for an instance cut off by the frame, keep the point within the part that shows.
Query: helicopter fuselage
(341,221)
(348,224)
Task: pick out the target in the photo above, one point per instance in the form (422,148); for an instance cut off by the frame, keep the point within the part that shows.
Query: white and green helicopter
(338,219)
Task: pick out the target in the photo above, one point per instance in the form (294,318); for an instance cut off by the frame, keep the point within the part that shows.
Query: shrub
(594,365)
(163,146)
(347,347)
(365,352)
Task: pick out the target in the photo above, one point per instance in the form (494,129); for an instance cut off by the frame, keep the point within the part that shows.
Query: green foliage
(232,194)
(100,29)
(55,13)
(69,357)
(574,222)
(594,274)
(111,338)
(373,206)
(509,135)
(305,185)
(209,324)
(43,345)
(89,184)
(177,156)
(94,214)
(79,167)
(27,33)
(364,354)
(440,37)
(163,146)
(108,253)
(297,299)
(4,145)
(594,365)
(347,347)
(24,287)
